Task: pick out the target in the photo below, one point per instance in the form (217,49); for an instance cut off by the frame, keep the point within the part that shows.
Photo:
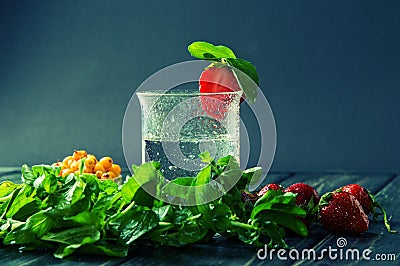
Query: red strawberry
(304,194)
(368,202)
(361,194)
(272,186)
(216,79)
(340,212)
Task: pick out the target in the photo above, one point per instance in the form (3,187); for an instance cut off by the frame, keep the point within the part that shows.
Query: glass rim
(185,92)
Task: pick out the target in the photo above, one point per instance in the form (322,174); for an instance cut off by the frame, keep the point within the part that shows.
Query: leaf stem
(165,226)
(128,208)
(243,225)
(385,220)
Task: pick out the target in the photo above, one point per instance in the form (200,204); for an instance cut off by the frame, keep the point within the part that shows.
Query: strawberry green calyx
(376,204)
(244,72)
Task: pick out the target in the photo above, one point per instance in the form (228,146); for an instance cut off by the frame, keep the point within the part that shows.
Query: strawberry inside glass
(217,79)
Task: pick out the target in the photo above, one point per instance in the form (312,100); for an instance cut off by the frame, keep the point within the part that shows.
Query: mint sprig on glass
(245,72)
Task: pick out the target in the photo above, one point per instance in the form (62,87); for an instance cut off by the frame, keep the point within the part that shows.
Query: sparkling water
(179,125)
(181,158)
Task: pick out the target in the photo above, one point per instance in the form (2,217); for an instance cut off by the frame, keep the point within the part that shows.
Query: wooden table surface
(221,251)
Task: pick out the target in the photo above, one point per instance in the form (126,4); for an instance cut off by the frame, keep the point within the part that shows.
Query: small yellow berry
(99,167)
(116,169)
(65,172)
(105,176)
(74,166)
(99,174)
(107,162)
(90,162)
(79,154)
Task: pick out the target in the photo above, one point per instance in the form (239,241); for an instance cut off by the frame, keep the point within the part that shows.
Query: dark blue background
(330,70)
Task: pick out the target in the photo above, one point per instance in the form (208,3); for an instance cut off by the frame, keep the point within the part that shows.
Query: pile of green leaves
(81,213)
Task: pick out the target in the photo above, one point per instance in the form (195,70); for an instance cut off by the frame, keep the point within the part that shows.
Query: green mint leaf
(208,51)
(244,66)
(247,84)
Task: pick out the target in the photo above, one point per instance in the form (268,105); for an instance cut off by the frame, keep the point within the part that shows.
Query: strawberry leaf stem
(376,204)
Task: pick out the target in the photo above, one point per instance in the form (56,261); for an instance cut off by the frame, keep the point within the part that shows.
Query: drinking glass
(179,124)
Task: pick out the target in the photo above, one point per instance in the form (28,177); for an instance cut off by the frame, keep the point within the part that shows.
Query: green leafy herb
(82,214)
(208,51)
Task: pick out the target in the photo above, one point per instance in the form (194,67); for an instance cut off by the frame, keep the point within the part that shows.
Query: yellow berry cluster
(104,168)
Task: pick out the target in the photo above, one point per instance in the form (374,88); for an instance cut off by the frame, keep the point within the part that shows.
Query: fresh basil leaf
(105,249)
(19,235)
(277,200)
(6,189)
(275,233)
(135,224)
(75,192)
(162,211)
(224,161)
(86,218)
(108,186)
(286,220)
(184,231)
(26,209)
(246,67)
(205,50)
(142,198)
(50,183)
(28,177)
(23,198)
(179,187)
(105,203)
(203,177)
(72,239)
(39,224)
(156,165)
(43,169)
(129,189)
(220,217)
(250,237)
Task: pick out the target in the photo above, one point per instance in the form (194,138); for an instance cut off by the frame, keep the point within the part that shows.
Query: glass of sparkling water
(178,125)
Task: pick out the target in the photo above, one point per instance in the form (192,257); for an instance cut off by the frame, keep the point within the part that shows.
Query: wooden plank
(327,182)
